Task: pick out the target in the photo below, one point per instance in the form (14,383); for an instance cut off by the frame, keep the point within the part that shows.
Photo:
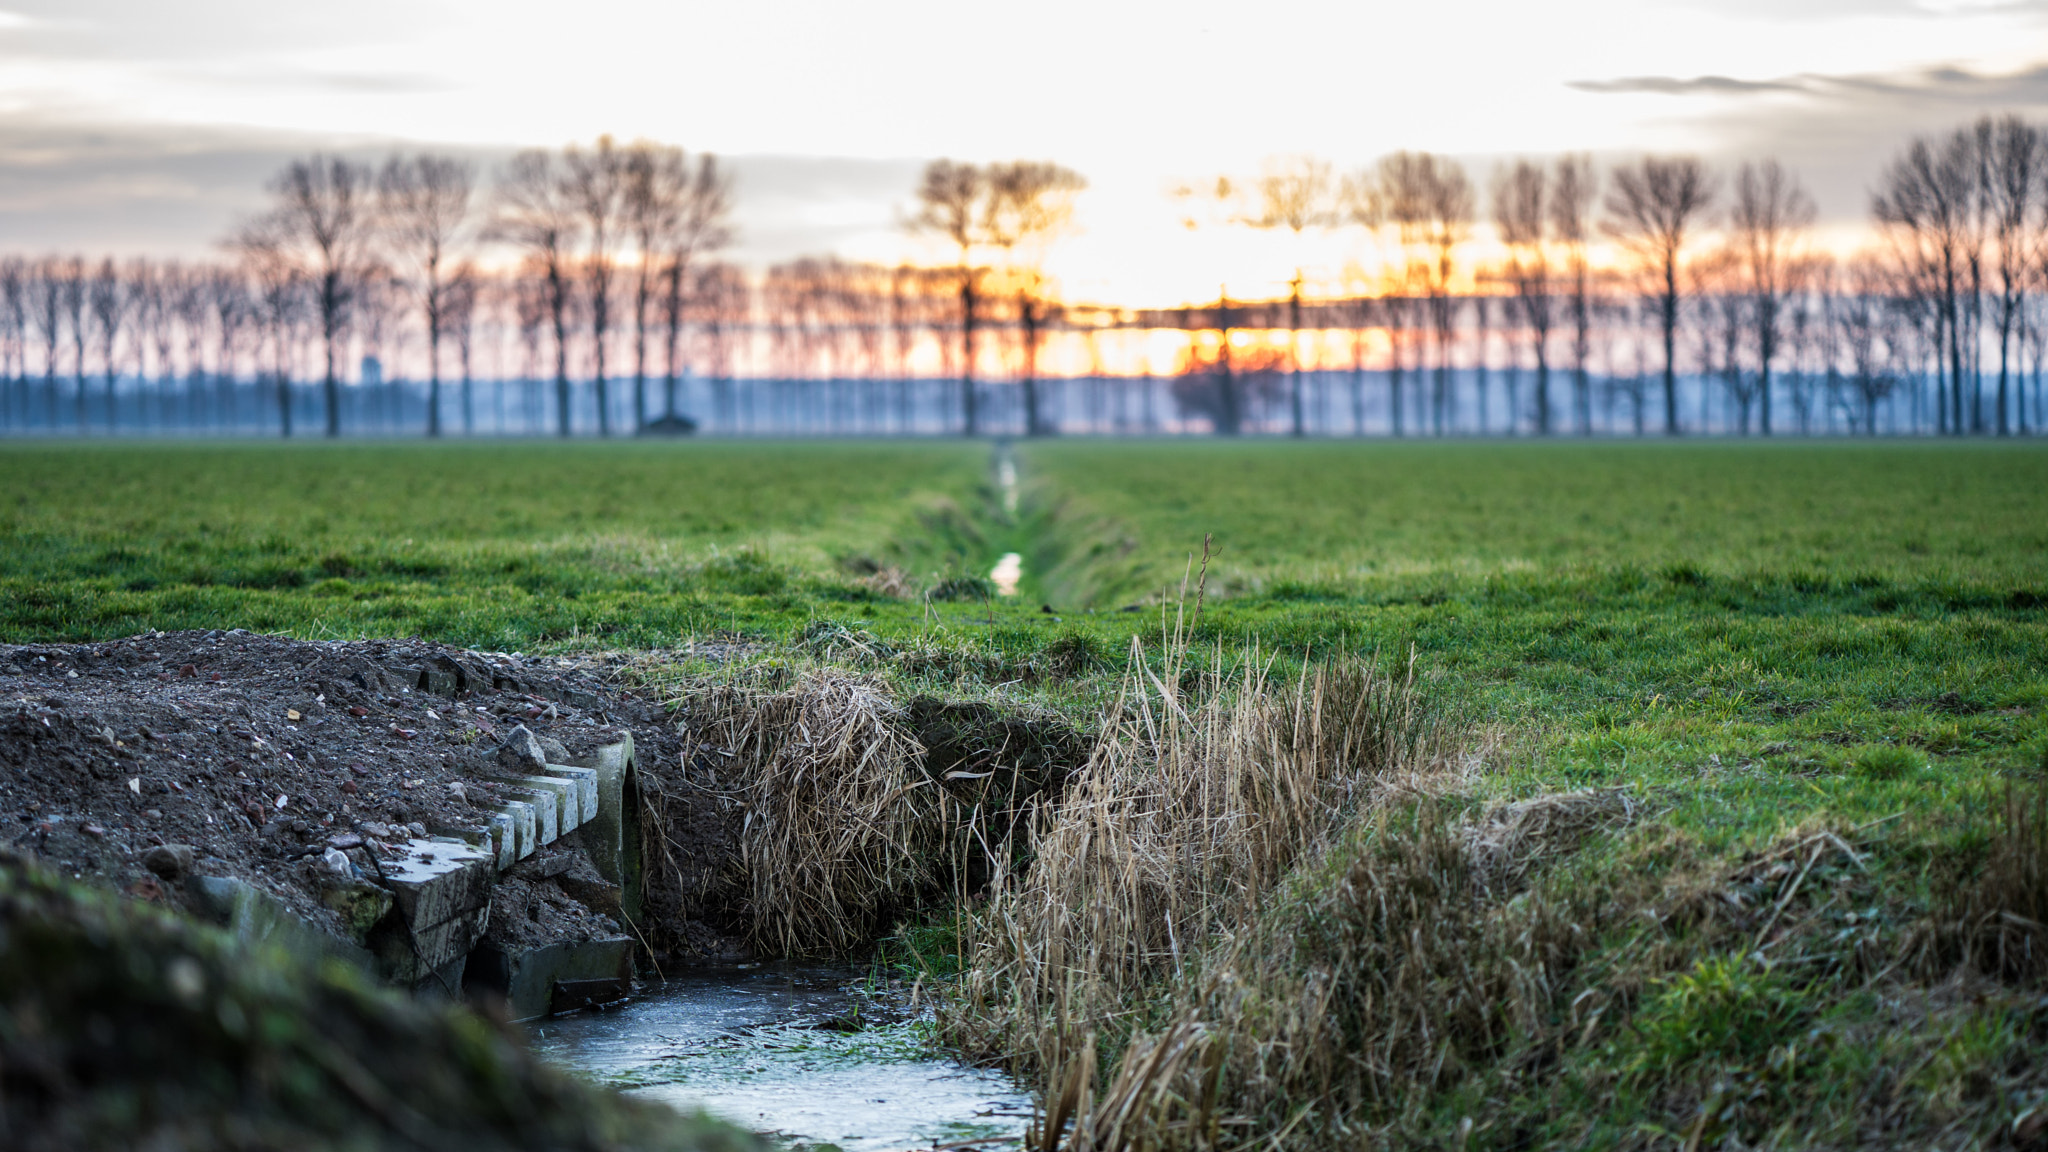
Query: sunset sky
(148,126)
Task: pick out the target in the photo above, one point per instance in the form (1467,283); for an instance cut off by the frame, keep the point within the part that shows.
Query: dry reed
(837,833)
(1256,920)
(1191,810)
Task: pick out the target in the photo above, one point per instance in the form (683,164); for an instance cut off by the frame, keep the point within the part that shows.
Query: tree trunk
(968,421)
(1294,355)
(1669,318)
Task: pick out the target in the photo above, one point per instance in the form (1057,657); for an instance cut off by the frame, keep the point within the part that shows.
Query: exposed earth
(259,754)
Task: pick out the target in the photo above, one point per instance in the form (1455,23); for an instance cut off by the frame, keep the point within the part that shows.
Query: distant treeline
(583,292)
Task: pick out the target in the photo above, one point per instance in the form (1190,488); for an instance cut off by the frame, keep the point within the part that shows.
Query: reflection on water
(1006,573)
(743,1044)
(1006,478)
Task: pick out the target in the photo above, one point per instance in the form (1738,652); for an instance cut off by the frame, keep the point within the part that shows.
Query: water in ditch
(783,1049)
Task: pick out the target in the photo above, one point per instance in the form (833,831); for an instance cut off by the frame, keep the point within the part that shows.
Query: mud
(261,752)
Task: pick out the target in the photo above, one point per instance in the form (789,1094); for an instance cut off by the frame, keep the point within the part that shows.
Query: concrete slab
(547,808)
(525,821)
(586,788)
(567,811)
(255,916)
(528,980)
(612,837)
(430,954)
(436,881)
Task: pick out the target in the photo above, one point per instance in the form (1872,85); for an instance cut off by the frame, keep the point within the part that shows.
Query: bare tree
(236,316)
(1294,193)
(110,308)
(1428,199)
(721,304)
(2014,160)
(1573,188)
(1925,204)
(46,317)
(323,223)
(15,281)
(1029,203)
(656,180)
(1653,206)
(595,182)
(72,282)
(1865,317)
(156,322)
(1767,224)
(950,201)
(1519,215)
(702,227)
(425,202)
(535,212)
(458,320)
(281,281)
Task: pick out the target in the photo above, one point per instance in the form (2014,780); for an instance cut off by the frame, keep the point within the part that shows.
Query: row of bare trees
(184,346)
(591,264)
(612,234)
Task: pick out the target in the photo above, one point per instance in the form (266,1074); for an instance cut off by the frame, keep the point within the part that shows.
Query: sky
(149,126)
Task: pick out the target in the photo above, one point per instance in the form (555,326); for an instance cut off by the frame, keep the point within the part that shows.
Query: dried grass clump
(1257,918)
(838,832)
(1383,973)
(1511,841)
(1998,923)
(1191,809)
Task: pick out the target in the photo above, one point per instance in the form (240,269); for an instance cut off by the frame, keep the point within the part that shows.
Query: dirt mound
(124,1027)
(259,752)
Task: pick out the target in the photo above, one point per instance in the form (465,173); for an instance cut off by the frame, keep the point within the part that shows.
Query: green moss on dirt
(122,1026)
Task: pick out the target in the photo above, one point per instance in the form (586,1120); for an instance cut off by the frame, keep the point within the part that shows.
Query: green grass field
(1764,639)
(1622,609)
(506,547)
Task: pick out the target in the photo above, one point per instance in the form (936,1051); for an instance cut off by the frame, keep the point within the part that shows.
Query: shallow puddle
(744,1045)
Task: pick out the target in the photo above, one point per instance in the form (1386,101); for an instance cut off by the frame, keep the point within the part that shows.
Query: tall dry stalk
(1191,809)
(1256,920)
(839,833)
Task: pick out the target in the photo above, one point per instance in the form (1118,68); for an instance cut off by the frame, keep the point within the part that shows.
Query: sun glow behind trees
(596,266)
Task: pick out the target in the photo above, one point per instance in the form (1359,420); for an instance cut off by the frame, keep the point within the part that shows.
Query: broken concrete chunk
(524,819)
(360,904)
(522,752)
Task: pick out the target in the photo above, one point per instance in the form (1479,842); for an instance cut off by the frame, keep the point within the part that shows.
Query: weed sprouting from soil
(1997,924)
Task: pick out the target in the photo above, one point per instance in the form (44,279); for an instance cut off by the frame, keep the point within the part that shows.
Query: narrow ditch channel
(797,1051)
(779,1048)
(1009,569)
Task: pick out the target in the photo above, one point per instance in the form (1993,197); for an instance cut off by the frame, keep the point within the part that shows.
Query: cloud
(2028,86)
(1837,130)
(144,189)
(1674,86)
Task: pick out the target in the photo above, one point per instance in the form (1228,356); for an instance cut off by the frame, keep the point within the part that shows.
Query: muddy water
(744,1044)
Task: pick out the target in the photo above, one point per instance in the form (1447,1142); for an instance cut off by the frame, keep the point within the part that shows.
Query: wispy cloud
(1955,84)
(1677,86)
